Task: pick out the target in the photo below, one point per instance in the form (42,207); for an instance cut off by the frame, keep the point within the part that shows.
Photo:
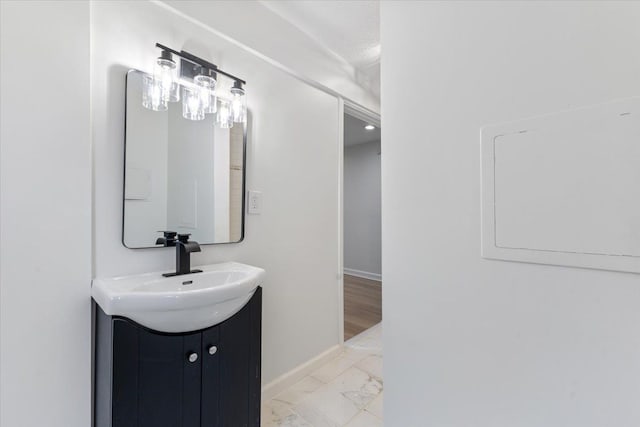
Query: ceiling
(349,30)
(355,133)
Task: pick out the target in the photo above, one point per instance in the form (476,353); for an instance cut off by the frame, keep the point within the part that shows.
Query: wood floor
(362,305)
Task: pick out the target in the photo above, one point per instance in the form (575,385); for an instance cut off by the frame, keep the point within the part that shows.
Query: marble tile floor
(345,392)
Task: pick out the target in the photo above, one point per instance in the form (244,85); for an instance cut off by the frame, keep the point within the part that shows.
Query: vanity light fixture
(369,127)
(166,73)
(224,117)
(192,106)
(152,94)
(197,82)
(162,86)
(206,82)
(238,103)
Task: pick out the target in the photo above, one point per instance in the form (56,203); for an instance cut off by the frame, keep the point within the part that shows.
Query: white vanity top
(182,303)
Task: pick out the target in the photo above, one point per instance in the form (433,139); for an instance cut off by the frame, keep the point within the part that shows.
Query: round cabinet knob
(213,350)
(193,357)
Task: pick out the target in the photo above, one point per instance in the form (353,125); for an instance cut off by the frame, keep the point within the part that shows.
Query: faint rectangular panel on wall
(565,188)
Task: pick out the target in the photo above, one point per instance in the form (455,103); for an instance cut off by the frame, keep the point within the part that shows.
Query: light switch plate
(254,202)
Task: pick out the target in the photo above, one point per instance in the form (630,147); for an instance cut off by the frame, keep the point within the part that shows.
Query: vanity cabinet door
(211,377)
(231,377)
(156,378)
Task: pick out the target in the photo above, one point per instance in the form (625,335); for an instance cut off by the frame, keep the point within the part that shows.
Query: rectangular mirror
(180,175)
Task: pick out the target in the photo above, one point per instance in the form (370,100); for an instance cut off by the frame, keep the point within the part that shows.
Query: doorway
(362,253)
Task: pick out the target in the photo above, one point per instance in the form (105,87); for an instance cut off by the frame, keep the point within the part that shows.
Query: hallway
(362,305)
(347,391)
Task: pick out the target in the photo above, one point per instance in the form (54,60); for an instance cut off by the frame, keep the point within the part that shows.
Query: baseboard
(288,379)
(363,274)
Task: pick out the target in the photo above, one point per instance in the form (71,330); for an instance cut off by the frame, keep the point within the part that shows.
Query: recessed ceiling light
(369,127)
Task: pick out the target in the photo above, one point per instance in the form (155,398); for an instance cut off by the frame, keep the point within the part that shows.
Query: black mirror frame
(124,175)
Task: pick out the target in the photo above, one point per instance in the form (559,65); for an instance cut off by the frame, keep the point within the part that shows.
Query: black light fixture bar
(199,61)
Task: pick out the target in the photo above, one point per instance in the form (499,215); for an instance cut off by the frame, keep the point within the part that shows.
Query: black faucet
(183,251)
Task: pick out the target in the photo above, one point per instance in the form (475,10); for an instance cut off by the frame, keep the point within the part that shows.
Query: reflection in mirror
(180,175)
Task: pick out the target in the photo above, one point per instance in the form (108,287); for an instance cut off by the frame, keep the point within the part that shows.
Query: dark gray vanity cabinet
(208,378)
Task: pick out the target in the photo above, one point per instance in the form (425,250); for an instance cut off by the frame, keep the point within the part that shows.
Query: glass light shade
(152,94)
(207,87)
(209,101)
(166,71)
(238,105)
(224,118)
(192,104)
(205,81)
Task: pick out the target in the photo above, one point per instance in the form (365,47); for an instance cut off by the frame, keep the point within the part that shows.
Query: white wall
(292,159)
(362,227)
(474,342)
(45,211)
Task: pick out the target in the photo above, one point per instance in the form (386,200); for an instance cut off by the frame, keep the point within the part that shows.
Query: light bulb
(238,103)
(166,72)
(224,118)
(209,101)
(192,104)
(152,94)
(207,85)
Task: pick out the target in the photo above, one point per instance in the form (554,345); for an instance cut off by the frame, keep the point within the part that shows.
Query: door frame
(351,108)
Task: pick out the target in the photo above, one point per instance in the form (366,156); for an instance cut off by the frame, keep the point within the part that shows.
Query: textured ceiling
(355,133)
(348,29)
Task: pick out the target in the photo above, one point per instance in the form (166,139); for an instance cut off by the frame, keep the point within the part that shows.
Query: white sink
(181,303)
